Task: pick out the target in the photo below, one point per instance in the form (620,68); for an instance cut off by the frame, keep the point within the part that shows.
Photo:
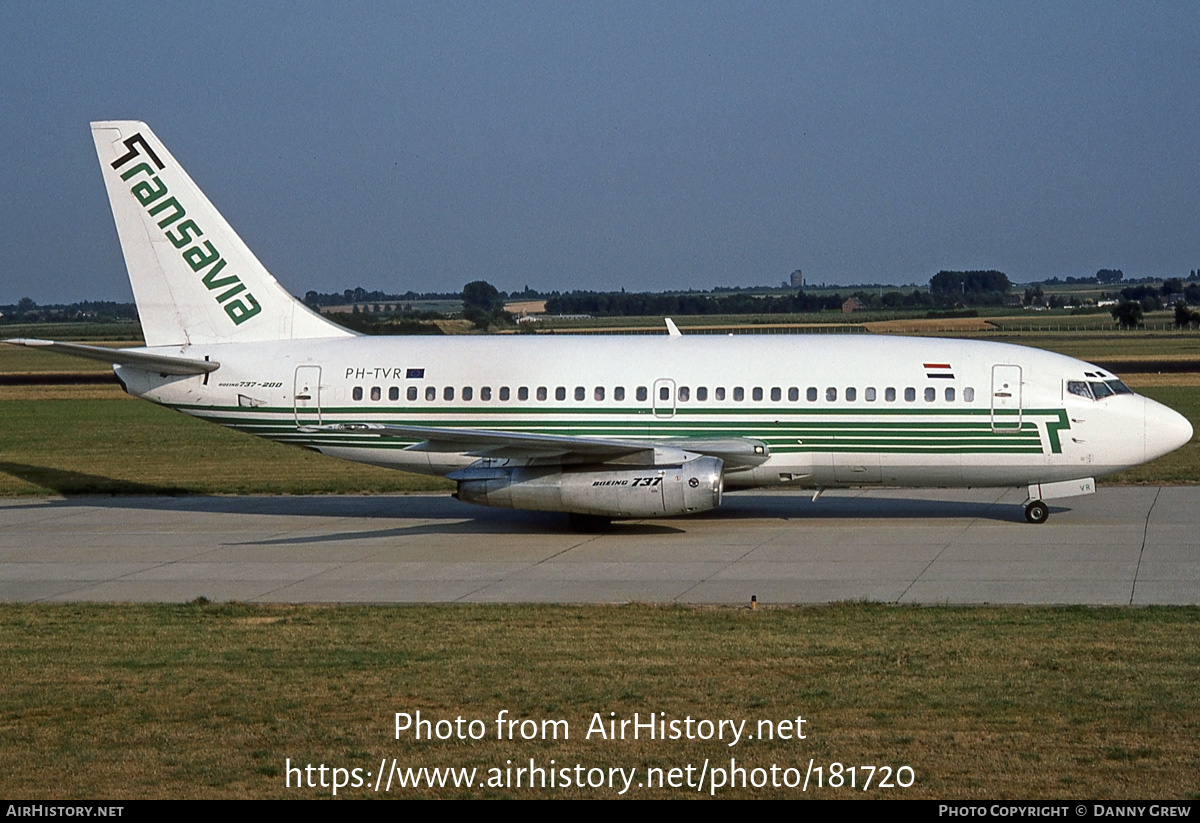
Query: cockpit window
(1080,388)
(1097,390)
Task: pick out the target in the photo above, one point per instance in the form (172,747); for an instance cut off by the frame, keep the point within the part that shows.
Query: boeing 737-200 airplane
(599,427)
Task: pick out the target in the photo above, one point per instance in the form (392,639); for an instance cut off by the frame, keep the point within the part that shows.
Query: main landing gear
(1037,512)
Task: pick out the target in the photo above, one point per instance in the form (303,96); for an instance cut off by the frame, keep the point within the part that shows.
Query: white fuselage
(847,410)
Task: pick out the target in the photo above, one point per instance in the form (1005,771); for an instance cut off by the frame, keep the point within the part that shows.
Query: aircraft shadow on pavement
(518,523)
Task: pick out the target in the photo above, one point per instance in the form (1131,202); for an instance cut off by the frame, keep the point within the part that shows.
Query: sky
(608,145)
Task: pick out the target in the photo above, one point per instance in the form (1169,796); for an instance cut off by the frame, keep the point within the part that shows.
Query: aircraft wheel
(588,523)
(1037,512)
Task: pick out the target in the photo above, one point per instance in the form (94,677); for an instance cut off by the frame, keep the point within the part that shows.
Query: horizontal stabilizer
(158,363)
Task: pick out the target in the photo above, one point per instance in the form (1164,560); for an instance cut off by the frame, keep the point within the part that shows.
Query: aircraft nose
(1166,430)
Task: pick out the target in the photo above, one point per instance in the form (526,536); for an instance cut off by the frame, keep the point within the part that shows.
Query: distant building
(797,279)
(851,305)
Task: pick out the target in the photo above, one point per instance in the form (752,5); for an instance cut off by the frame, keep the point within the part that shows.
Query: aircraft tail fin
(194,279)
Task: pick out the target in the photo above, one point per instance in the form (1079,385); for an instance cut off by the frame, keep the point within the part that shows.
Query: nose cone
(1166,430)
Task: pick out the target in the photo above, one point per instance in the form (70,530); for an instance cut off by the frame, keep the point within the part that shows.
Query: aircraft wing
(736,452)
(158,363)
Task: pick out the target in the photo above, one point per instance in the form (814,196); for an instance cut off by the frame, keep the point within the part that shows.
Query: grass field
(111,443)
(210,701)
(90,332)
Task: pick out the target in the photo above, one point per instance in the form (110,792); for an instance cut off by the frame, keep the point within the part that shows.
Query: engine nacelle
(652,491)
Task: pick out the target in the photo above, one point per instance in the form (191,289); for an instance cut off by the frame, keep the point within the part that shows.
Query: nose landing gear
(1037,512)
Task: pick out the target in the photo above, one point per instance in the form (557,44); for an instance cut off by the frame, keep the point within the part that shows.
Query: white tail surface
(193,278)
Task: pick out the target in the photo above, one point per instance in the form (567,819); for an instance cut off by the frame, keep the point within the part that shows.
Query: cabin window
(968,395)
(869,394)
(739,394)
(719,393)
(542,393)
(376,393)
(560,393)
(619,393)
(793,394)
(485,393)
(776,393)
(468,393)
(851,394)
(394,393)
(910,394)
(598,394)
(430,393)
(580,393)
(642,393)
(505,393)
(701,393)
(889,394)
(664,393)
(685,393)
(448,393)
(811,394)
(523,393)
(357,393)
(757,394)
(411,393)
(831,394)
(930,394)
(949,394)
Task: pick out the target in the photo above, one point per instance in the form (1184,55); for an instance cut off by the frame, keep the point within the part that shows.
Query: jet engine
(649,491)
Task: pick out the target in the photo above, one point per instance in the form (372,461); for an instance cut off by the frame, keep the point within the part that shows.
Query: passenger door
(1006,398)
(306,396)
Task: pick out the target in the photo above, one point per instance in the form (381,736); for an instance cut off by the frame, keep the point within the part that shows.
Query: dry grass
(526,307)
(454,326)
(1141,380)
(961,325)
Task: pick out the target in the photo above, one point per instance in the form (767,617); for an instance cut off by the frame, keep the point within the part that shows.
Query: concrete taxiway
(1124,545)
